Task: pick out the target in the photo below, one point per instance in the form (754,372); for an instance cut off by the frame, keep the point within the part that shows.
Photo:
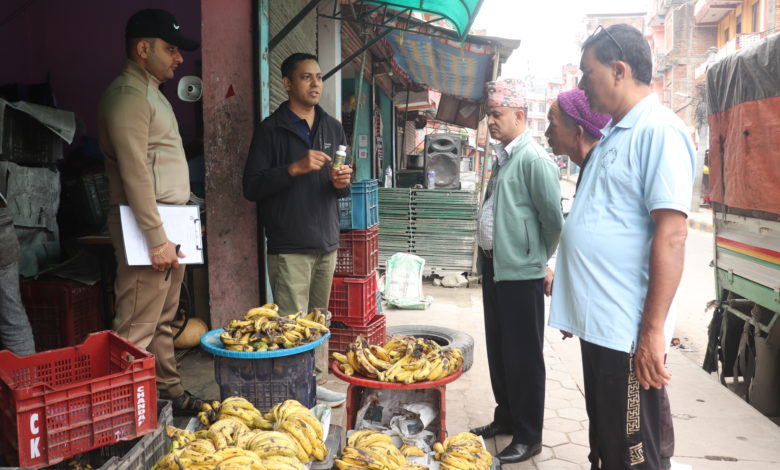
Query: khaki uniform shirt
(145,160)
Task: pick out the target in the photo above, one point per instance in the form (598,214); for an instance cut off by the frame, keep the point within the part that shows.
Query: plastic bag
(403,282)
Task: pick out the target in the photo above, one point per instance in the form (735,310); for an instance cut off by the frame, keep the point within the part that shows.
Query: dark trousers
(629,427)
(514,327)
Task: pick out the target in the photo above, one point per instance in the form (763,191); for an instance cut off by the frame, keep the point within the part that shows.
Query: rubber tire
(446,337)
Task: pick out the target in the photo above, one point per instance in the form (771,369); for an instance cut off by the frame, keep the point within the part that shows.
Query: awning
(459,13)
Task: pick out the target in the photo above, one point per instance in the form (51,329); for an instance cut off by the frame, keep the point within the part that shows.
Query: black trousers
(514,329)
(630,428)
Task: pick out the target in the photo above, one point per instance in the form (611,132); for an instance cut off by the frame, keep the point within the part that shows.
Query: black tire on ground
(446,337)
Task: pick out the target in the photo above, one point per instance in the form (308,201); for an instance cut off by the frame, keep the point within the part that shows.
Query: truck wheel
(446,337)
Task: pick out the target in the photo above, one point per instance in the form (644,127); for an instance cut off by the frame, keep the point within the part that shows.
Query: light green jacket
(527,218)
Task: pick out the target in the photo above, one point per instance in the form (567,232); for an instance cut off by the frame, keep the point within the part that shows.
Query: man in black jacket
(288,173)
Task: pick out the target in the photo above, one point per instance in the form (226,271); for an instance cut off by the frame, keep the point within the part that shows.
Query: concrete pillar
(329,53)
(228,120)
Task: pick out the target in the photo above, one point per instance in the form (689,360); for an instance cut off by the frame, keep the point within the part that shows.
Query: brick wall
(704,37)
(687,46)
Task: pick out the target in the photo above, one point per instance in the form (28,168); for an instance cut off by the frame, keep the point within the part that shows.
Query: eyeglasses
(601,28)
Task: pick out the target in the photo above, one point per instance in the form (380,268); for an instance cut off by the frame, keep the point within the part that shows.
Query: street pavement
(714,428)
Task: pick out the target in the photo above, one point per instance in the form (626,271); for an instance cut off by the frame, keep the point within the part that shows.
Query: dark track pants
(514,327)
(629,427)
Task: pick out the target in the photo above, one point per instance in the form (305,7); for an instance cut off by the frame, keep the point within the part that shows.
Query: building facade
(679,46)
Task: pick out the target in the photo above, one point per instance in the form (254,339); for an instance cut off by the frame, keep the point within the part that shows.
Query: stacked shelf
(438,225)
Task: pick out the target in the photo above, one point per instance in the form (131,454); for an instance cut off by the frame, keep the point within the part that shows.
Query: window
(754,17)
(726,35)
(739,24)
(540,126)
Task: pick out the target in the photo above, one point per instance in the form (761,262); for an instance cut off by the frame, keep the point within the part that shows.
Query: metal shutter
(301,39)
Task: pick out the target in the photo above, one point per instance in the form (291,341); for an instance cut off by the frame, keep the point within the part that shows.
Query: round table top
(371,383)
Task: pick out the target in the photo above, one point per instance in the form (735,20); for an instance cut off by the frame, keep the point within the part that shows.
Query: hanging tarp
(743,95)
(443,65)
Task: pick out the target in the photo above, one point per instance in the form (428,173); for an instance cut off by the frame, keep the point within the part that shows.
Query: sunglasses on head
(600,29)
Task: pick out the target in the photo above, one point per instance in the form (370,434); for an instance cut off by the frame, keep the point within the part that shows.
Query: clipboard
(181,224)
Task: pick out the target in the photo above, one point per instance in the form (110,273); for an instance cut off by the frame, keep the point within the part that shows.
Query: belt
(486,253)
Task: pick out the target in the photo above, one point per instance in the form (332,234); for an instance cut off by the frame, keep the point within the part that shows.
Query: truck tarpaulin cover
(743,97)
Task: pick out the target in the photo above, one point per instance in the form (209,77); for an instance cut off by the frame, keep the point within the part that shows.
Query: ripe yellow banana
(340,357)
(278,462)
(456,462)
(312,324)
(299,435)
(343,465)
(372,438)
(411,451)
(361,458)
(260,312)
(203,446)
(348,370)
(375,361)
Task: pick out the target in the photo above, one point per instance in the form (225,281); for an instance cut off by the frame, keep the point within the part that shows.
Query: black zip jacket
(300,213)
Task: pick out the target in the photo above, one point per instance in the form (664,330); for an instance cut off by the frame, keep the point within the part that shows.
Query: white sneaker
(329,397)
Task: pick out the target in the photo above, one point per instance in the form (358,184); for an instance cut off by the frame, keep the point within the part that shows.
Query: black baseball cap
(152,23)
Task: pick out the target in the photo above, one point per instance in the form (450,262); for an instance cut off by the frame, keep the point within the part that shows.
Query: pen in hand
(168,274)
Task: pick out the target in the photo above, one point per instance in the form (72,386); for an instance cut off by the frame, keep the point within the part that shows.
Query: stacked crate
(61,312)
(354,297)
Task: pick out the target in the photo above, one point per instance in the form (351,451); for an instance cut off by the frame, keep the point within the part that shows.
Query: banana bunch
(304,428)
(236,435)
(263,329)
(403,359)
(201,458)
(373,450)
(233,407)
(463,451)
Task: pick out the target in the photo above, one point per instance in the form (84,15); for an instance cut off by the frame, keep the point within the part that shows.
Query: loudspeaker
(442,155)
(190,88)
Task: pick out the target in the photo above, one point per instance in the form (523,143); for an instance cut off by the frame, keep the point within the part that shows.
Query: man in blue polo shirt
(621,253)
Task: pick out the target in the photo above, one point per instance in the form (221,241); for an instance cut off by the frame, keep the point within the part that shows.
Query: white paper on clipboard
(181,224)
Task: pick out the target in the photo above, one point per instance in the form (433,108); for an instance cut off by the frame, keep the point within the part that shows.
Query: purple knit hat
(575,104)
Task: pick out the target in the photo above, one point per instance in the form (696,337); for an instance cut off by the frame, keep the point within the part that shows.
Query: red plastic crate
(61,312)
(353,300)
(374,333)
(355,395)
(56,404)
(358,254)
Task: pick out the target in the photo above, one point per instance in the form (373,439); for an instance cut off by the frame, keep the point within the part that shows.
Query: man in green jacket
(519,226)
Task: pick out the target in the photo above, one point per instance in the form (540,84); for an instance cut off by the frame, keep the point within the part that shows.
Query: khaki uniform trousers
(301,281)
(146,305)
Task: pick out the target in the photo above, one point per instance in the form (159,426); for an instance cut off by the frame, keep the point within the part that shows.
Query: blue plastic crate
(265,378)
(361,210)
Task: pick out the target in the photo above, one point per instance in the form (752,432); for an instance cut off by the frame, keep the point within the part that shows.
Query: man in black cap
(146,166)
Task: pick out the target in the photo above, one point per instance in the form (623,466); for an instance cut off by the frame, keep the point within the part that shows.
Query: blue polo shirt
(643,163)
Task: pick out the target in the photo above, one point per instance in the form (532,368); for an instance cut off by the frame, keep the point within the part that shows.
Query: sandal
(187,403)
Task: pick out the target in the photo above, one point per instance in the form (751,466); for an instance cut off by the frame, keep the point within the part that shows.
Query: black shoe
(186,404)
(516,452)
(491,430)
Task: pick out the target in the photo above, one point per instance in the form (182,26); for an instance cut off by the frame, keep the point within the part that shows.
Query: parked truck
(743,104)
